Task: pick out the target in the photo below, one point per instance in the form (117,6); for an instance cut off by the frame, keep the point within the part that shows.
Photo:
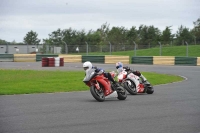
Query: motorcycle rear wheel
(122,94)
(150,90)
(97,94)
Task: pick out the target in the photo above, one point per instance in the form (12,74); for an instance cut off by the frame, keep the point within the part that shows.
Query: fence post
(7,48)
(195,40)
(86,48)
(27,49)
(66,47)
(186,49)
(134,48)
(110,48)
(160,48)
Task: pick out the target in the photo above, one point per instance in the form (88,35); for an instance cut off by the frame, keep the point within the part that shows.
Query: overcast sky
(18,17)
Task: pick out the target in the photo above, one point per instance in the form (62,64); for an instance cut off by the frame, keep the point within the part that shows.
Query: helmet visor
(85,68)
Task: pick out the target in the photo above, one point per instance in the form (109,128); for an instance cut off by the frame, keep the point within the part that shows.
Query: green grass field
(32,81)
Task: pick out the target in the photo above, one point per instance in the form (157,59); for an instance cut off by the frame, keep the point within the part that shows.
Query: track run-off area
(172,108)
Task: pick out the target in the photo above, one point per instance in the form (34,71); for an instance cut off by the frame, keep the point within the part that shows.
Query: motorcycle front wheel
(130,88)
(97,94)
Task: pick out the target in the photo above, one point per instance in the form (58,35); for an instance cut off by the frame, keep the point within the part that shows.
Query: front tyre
(121,92)
(97,94)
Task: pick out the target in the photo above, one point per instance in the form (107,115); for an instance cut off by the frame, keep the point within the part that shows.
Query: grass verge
(33,81)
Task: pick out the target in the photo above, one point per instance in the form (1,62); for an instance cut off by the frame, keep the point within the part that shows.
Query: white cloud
(18,17)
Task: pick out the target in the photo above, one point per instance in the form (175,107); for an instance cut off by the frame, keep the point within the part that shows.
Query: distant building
(26,49)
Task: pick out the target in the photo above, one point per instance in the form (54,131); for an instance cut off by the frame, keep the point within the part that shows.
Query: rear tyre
(97,94)
(121,92)
(150,90)
(130,88)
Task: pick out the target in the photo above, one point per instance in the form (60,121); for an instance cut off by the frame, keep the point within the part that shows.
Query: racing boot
(115,86)
(144,80)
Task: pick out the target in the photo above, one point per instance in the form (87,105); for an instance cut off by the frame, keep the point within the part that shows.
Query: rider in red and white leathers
(119,67)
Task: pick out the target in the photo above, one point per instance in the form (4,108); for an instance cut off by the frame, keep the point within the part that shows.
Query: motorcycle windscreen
(89,75)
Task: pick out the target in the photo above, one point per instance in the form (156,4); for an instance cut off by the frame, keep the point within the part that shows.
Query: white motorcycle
(133,84)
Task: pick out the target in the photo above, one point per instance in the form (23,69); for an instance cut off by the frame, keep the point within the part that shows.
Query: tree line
(144,35)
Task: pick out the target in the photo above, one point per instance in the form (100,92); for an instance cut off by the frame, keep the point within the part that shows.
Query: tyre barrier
(163,60)
(71,58)
(6,57)
(40,56)
(110,59)
(142,60)
(186,61)
(93,58)
(52,61)
(45,62)
(198,61)
(150,60)
(61,61)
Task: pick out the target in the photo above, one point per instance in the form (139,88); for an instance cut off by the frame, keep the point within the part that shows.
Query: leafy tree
(31,38)
(183,35)
(93,37)
(153,35)
(167,35)
(3,42)
(196,30)
(132,35)
(46,43)
(56,37)
(117,35)
(148,34)
(69,36)
(103,33)
(81,36)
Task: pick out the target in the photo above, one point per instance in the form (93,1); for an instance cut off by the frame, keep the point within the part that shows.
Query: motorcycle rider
(88,65)
(119,67)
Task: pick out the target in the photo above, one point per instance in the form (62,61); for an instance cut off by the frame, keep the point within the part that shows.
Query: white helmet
(87,65)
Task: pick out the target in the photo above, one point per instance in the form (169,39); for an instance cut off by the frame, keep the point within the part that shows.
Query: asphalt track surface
(173,108)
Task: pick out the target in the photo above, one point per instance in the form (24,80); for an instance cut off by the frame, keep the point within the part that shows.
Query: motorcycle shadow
(109,98)
(113,99)
(139,94)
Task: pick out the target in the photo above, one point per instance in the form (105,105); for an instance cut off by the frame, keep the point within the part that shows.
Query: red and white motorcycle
(133,84)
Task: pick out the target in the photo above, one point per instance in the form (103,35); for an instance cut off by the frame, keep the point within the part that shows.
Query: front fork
(107,91)
(97,86)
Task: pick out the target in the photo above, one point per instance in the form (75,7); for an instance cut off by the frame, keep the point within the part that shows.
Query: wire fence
(91,49)
(86,49)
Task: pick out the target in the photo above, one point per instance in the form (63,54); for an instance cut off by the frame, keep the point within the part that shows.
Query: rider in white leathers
(119,67)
